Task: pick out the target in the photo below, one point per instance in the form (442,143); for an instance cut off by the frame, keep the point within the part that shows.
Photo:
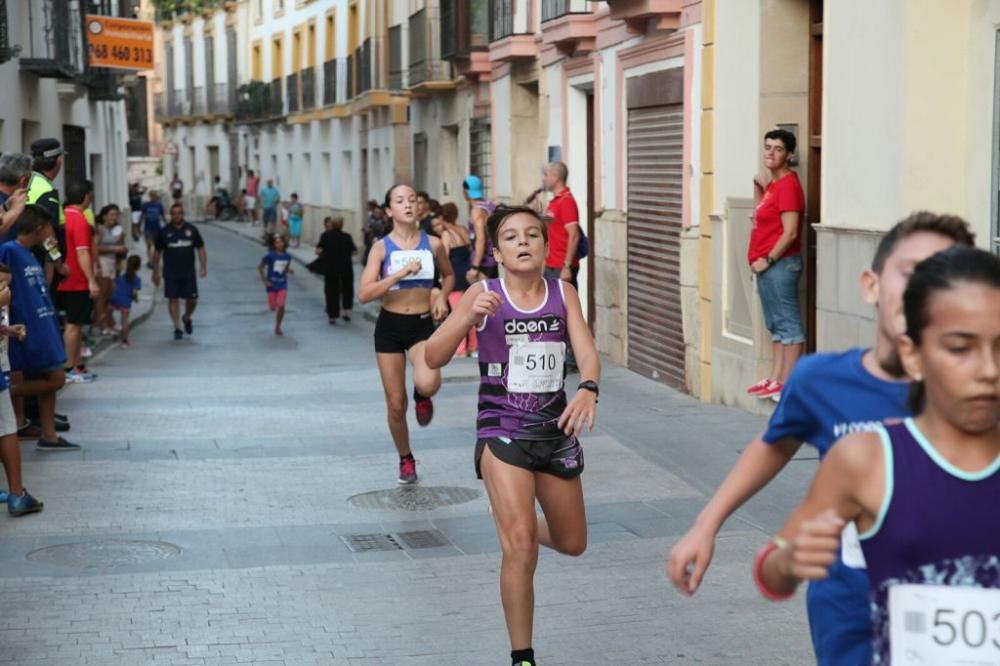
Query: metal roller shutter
(655,173)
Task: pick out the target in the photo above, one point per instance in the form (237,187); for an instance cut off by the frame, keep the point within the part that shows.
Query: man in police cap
(47,155)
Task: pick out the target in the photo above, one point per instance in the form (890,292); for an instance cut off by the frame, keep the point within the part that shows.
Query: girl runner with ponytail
(527,447)
(923,493)
(400,271)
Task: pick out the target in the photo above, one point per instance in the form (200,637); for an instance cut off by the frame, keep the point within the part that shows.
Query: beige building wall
(914,133)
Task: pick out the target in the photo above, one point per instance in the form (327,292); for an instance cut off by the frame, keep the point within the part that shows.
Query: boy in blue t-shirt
(826,397)
(19,502)
(274,269)
(152,217)
(37,361)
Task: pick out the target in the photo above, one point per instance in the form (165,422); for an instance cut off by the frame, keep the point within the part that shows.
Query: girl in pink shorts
(274,269)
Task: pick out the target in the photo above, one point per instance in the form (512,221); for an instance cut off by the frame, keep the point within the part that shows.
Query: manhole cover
(414,498)
(414,540)
(105,553)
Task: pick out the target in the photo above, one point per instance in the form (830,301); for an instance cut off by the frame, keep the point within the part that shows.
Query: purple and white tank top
(488,259)
(522,369)
(396,258)
(934,557)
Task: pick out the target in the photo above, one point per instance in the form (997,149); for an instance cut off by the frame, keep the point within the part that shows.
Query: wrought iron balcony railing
(501,19)
(464,28)
(396,55)
(350,78)
(254,101)
(199,101)
(307,80)
(292,90)
(330,82)
(53,38)
(277,101)
(364,58)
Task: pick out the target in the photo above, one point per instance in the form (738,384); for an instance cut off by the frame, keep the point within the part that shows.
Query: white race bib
(536,367)
(944,626)
(280,266)
(399,258)
(850,547)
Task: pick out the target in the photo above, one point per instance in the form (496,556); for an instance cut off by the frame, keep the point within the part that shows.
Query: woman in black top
(456,240)
(336,248)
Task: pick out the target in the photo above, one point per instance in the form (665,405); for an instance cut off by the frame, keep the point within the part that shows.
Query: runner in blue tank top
(828,396)
(923,493)
(527,447)
(400,271)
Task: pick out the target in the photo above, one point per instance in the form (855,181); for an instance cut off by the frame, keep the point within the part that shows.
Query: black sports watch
(590,385)
(771,261)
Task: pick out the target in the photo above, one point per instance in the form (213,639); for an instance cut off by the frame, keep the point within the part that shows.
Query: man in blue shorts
(37,362)
(270,197)
(178,243)
(828,396)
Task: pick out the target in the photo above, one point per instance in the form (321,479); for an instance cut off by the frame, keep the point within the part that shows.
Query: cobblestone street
(209,518)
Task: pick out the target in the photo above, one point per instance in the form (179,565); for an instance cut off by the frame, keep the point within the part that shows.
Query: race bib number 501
(944,626)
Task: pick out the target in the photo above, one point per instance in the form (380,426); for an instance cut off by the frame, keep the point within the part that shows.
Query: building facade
(53,92)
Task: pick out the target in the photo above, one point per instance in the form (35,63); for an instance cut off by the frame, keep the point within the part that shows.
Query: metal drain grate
(368,543)
(422,539)
(413,540)
(414,498)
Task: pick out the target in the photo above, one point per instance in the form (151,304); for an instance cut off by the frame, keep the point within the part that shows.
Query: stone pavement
(228,507)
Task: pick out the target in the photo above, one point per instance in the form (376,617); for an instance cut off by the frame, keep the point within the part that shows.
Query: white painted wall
(502,184)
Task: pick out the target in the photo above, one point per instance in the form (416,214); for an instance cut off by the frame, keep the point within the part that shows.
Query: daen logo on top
(546,324)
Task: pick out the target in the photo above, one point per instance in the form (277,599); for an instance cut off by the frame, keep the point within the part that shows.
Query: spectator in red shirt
(250,200)
(78,289)
(775,261)
(564,226)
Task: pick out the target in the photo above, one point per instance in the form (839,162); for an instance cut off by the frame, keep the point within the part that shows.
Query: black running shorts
(77,305)
(185,288)
(559,457)
(396,333)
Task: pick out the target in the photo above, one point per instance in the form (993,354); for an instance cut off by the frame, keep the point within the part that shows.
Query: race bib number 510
(536,367)
(944,626)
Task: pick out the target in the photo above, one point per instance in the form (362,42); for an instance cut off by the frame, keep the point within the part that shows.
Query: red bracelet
(758,565)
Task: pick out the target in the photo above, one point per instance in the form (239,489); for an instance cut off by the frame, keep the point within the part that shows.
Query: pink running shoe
(407,471)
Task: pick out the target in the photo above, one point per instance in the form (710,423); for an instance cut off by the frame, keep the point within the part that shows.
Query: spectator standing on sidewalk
(153,215)
(177,188)
(80,287)
(178,243)
(37,362)
(774,259)
(18,501)
(457,243)
(274,269)
(295,214)
(15,172)
(424,213)
(270,197)
(135,192)
(484,264)
(564,228)
(127,286)
(336,250)
(376,227)
(110,252)
(252,192)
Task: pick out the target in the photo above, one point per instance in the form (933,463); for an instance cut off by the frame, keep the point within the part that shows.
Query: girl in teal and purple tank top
(924,493)
(526,429)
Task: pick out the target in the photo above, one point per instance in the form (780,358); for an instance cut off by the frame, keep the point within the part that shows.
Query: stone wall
(843,319)
(609,253)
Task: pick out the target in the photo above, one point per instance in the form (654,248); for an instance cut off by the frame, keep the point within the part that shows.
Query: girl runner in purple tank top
(527,447)
(400,271)
(923,493)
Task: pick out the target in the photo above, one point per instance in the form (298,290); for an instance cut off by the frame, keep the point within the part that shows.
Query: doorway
(815,148)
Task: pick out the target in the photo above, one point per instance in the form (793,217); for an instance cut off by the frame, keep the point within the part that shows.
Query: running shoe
(83,368)
(59,445)
(86,351)
(19,505)
(332,321)
(188,326)
(762,385)
(123,344)
(77,377)
(408,471)
(62,417)
(178,334)
(29,431)
(773,389)
(346,317)
(425,410)
(4,495)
